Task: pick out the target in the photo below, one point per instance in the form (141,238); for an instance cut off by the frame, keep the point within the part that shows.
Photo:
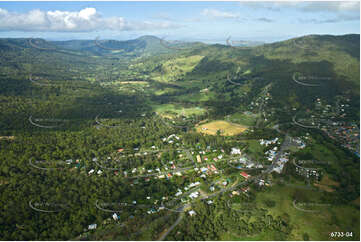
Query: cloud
(344,6)
(267,20)
(214,13)
(336,6)
(341,18)
(85,20)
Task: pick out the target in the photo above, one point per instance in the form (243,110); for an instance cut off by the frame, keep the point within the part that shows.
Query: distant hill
(331,61)
(329,66)
(147,44)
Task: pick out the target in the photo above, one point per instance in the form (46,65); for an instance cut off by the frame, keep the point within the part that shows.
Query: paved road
(180,217)
(269,169)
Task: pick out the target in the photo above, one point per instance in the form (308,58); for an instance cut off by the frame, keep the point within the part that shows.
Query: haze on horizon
(209,22)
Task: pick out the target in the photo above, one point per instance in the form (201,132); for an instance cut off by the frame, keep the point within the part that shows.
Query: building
(115,217)
(235,151)
(192,212)
(245,175)
(199,159)
(245,189)
(235,192)
(92,226)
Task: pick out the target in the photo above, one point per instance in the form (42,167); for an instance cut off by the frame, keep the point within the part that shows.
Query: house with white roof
(192,212)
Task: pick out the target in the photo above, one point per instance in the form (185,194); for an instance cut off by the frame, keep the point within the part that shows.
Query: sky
(210,22)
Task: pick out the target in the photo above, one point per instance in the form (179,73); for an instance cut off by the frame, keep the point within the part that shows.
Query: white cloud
(87,19)
(344,6)
(335,6)
(213,13)
(341,18)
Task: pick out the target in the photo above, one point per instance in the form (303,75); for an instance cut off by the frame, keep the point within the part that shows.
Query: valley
(149,139)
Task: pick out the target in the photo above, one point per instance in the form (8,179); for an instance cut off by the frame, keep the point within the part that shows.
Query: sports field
(225,128)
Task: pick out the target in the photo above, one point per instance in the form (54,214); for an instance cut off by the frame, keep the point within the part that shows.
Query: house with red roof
(245,175)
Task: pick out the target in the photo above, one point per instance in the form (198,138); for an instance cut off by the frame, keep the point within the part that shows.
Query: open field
(133,82)
(347,217)
(178,67)
(226,128)
(326,184)
(173,110)
(244,119)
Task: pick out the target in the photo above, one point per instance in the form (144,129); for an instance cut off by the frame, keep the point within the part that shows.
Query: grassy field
(244,119)
(326,184)
(226,128)
(173,110)
(196,97)
(254,150)
(178,67)
(318,225)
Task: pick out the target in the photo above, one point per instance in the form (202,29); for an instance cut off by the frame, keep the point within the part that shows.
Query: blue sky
(203,21)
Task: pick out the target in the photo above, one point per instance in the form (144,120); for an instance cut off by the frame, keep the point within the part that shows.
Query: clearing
(226,128)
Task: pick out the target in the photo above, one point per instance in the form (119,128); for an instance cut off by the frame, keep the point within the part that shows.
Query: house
(92,226)
(91,171)
(178,174)
(99,172)
(209,202)
(213,168)
(235,192)
(194,184)
(199,160)
(169,175)
(120,150)
(178,193)
(161,177)
(194,195)
(245,189)
(204,169)
(115,217)
(192,212)
(235,151)
(211,188)
(245,175)
(224,183)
